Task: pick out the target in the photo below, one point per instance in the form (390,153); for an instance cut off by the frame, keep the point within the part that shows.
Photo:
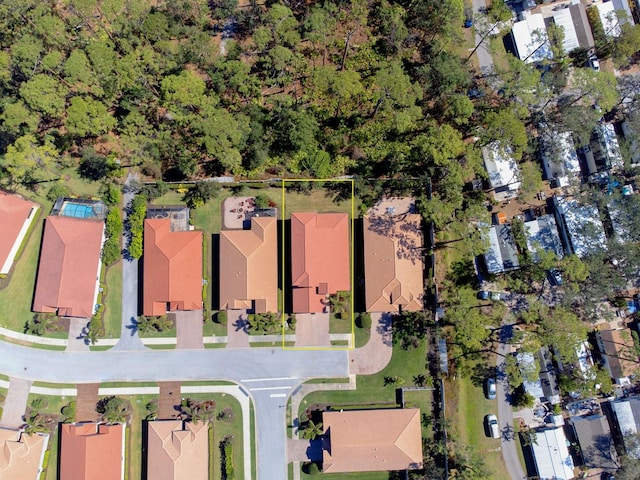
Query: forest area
(375,89)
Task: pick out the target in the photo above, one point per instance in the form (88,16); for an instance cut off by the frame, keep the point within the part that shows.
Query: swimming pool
(79,210)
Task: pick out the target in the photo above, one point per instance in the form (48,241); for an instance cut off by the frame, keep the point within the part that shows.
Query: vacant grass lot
(466,408)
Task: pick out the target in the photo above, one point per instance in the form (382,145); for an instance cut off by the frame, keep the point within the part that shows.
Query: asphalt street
(269,376)
(484,57)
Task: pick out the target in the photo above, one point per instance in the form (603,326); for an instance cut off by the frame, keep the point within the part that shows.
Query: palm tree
(114,409)
(145,324)
(312,430)
(34,422)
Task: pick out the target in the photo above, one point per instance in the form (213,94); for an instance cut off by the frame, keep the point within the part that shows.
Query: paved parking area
(312,330)
(15,404)
(189,329)
(304,450)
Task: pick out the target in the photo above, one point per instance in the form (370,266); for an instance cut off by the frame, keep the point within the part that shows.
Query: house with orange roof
(177,450)
(91,451)
(393,263)
(22,454)
(16,216)
(619,354)
(372,440)
(172,268)
(69,268)
(249,267)
(319,259)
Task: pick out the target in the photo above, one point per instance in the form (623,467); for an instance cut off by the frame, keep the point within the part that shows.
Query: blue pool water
(78,210)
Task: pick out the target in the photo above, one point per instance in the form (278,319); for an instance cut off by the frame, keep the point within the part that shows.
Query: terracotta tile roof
(372,440)
(393,263)
(21,454)
(69,266)
(319,258)
(249,267)
(16,214)
(172,265)
(177,450)
(91,451)
(619,352)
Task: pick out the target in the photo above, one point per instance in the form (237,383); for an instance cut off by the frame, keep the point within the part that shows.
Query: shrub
(363,321)
(226,447)
(57,190)
(262,201)
(201,193)
(221,318)
(110,193)
(113,230)
(136,225)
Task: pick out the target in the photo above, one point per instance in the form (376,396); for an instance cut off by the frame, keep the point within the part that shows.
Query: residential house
(393,263)
(529,368)
(559,157)
(542,233)
(580,227)
(22,455)
(503,253)
(69,269)
(172,268)
(16,216)
(551,454)
(504,174)
(574,22)
(177,450)
(91,451)
(539,374)
(249,267)
(619,354)
(606,148)
(625,421)
(612,15)
(596,444)
(319,259)
(353,445)
(623,216)
(530,40)
(548,377)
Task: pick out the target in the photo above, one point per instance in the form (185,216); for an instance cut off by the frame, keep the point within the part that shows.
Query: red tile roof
(69,266)
(91,451)
(372,440)
(319,258)
(16,215)
(172,265)
(249,267)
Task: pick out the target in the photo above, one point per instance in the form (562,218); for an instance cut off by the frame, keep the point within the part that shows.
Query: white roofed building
(504,174)
(551,454)
(574,22)
(559,157)
(530,38)
(580,227)
(542,233)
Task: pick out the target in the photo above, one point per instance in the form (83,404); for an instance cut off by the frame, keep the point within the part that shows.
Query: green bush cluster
(57,190)
(227,452)
(221,318)
(113,231)
(136,225)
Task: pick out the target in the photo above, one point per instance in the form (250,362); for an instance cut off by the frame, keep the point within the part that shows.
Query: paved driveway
(312,330)
(376,354)
(237,329)
(77,334)
(505,413)
(189,329)
(15,404)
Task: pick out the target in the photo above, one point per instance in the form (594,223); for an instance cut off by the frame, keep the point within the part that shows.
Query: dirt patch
(86,402)
(170,397)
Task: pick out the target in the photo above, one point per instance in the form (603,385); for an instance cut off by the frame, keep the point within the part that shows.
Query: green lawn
(467,427)
(317,201)
(113,302)
(350,476)
(16,298)
(134,438)
(404,365)
(362,336)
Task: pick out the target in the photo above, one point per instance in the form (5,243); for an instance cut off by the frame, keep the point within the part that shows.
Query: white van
(492,425)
